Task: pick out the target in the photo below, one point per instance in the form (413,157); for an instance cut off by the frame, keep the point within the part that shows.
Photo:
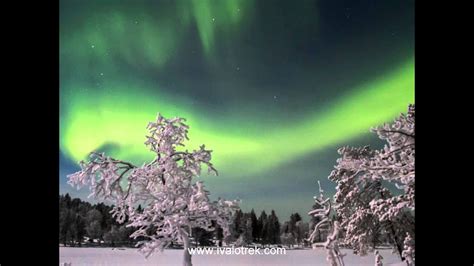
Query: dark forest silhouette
(84,224)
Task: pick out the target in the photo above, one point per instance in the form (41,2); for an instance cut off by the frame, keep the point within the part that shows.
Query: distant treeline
(82,223)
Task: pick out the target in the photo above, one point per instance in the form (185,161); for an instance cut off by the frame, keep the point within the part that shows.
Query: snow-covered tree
(409,250)
(396,164)
(335,257)
(320,236)
(173,202)
(364,205)
(353,197)
(378,259)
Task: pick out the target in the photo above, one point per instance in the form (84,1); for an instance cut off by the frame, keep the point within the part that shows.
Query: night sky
(274,88)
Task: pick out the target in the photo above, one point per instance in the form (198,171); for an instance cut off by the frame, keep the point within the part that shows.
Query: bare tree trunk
(398,244)
(186,256)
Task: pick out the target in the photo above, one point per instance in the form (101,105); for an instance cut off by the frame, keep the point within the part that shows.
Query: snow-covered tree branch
(173,202)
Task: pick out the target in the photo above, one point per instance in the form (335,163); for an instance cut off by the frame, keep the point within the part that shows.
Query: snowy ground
(109,257)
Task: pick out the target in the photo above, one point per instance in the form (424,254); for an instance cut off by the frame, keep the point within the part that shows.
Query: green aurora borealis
(219,64)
